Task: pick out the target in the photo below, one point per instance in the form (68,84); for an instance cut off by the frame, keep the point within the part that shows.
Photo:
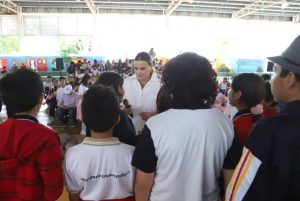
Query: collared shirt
(68,100)
(270,165)
(141,99)
(59,93)
(243,122)
(100,169)
(30,160)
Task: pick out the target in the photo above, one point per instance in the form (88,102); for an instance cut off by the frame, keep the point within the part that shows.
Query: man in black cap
(270,165)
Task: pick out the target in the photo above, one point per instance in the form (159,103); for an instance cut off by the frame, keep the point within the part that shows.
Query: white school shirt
(141,100)
(191,146)
(100,169)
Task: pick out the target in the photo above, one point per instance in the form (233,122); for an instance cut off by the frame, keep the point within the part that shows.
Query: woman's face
(142,70)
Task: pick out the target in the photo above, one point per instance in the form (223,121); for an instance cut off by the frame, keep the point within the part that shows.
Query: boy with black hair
(269,168)
(49,85)
(30,153)
(99,168)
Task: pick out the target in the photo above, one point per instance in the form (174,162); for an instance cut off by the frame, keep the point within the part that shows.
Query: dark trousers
(65,114)
(52,103)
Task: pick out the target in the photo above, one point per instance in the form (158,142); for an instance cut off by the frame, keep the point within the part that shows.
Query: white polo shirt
(141,100)
(100,169)
(190,147)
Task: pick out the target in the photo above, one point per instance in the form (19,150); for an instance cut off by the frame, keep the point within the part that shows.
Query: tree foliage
(9,45)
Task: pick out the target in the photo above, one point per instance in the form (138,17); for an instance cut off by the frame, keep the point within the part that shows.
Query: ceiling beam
(256,6)
(91,5)
(172,6)
(9,5)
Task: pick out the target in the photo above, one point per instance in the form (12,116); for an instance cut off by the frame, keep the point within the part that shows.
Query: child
(247,91)
(124,130)
(269,167)
(100,167)
(30,153)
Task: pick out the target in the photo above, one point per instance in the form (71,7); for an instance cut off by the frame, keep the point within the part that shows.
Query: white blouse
(82,89)
(141,100)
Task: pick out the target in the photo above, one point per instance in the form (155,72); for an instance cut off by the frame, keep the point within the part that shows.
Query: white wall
(123,36)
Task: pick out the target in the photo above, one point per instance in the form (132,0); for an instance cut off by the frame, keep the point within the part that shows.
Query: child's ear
(118,120)
(41,99)
(291,81)
(237,95)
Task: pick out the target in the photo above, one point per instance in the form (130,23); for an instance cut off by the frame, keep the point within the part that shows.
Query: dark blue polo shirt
(273,174)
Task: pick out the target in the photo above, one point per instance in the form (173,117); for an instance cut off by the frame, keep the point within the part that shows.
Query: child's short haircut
(21,91)
(100,108)
(111,79)
(252,87)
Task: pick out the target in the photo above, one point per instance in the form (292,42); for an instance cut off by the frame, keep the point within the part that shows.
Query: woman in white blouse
(81,91)
(141,90)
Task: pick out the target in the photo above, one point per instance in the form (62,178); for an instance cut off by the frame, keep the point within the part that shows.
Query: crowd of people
(158,138)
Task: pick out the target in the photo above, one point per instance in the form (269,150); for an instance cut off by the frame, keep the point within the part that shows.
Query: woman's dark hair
(21,91)
(163,100)
(251,86)
(266,77)
(190,81)
(85,80)
(144,56)
(111,79)
(100,108)
(268,93)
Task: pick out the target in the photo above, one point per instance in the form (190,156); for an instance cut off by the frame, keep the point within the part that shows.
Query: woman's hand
(146,115)
(128,110)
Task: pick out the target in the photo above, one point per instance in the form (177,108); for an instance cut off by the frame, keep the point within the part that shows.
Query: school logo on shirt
(104,176)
